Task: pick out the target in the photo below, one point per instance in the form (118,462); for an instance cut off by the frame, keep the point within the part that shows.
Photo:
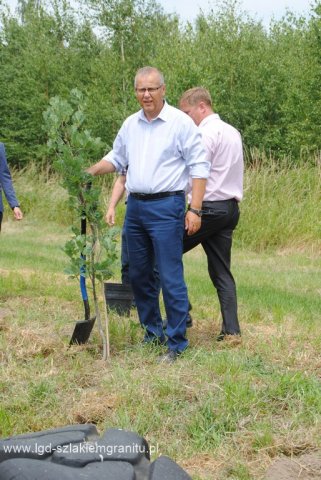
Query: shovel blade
(82,332)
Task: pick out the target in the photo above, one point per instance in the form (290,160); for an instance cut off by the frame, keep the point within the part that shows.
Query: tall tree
(42,54)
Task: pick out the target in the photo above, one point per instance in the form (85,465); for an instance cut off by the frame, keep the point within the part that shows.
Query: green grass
(220,412)
(281,207)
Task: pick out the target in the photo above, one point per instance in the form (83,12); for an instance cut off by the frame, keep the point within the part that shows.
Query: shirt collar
(212,116)
(163,114)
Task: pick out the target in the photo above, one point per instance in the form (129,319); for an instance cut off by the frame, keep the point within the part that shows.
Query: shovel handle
(83,225)
(87,309)
(83,288)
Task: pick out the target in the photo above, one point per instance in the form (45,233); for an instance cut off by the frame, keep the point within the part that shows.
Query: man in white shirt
(162,148)
(220,209)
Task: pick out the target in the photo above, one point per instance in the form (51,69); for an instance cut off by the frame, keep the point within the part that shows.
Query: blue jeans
(124,259)
(154,230)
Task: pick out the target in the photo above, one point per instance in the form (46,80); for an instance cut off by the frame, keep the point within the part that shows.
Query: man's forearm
(118,191)
(198,191)
(116,195)
(101,167)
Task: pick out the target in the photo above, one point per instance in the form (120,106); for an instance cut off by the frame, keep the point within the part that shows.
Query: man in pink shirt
(220,209)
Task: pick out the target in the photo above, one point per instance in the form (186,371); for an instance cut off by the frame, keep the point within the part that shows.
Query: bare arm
(193,221)
(116,195)
(101,167)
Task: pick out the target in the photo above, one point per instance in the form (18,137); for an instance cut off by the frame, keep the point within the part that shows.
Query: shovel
(83,328)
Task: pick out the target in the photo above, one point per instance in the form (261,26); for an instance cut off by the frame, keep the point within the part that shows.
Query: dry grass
(222,412)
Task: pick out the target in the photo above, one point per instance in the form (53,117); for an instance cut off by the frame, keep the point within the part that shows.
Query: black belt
(152,196)
(210,204)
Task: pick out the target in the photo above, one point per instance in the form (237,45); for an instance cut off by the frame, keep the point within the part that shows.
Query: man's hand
(110,216)
(192,222)
(17,213)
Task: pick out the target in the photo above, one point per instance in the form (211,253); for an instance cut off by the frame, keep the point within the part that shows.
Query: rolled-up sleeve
(200,169)
(195,153)
(119,158)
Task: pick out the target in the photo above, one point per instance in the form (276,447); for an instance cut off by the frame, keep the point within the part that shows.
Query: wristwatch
(199,213)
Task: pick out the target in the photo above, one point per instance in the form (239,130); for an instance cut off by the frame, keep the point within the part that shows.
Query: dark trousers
(154,231)
(215,235)
(124,258)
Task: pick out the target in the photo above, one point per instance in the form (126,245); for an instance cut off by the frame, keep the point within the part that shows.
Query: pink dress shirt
(224,145)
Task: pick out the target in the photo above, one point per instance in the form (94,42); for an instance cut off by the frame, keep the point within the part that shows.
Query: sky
(263,10)
(259,9)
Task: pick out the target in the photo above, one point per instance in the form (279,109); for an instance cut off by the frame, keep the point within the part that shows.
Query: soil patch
(304,467)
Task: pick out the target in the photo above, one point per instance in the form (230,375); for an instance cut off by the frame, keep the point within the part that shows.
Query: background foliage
(266,82)
(223,412)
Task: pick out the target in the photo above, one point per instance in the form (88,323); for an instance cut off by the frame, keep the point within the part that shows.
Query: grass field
(220,412)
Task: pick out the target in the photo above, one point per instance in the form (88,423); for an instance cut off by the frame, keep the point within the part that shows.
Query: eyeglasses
(150,90)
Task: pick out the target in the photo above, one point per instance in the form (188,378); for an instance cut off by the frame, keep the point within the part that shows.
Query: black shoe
(220,337)
(230,338)
(189,322)
(169,357)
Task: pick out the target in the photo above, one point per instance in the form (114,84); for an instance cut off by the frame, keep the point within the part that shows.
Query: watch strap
(194,210)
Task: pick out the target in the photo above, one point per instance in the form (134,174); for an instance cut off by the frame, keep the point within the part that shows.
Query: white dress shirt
(160,154)
(224,144)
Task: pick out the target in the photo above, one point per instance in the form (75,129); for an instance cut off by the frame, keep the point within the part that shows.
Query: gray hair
(147,71)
